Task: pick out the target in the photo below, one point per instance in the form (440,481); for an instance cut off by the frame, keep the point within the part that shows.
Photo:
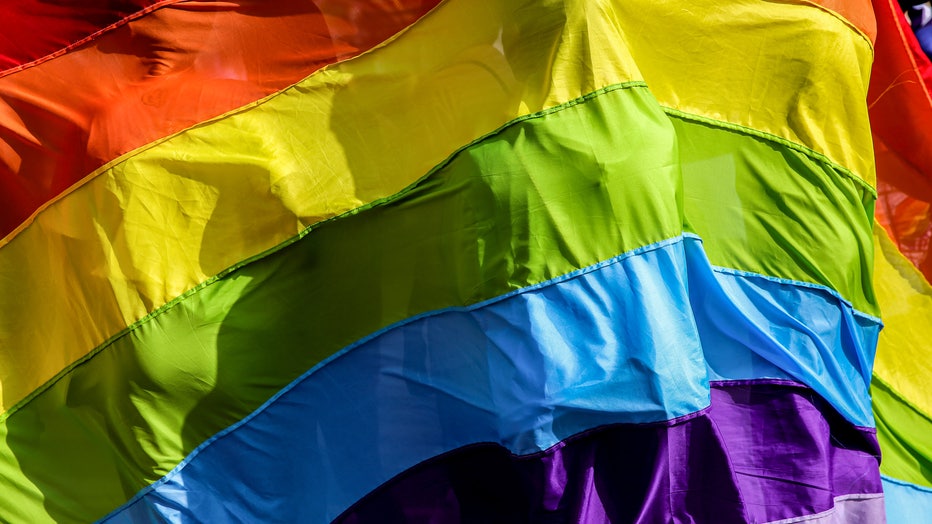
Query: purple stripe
(763,452)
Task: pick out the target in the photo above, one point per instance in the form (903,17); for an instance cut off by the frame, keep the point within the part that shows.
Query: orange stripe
(860,13)
(162,73)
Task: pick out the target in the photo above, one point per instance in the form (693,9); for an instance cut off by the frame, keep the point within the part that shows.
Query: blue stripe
(614,343)
(755,327)
(906,503)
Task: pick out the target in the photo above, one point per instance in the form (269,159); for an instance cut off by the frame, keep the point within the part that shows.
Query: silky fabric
(176,67)
(762,452)
(906,502)
(438,378)
(502,170)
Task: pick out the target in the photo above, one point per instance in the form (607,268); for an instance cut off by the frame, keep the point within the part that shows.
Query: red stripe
(901,112)
(33,29)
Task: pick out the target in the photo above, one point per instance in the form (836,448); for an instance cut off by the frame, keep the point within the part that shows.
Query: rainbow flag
(445,261)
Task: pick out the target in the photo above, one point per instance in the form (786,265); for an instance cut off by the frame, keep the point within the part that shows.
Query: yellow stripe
(792,70)
(158,222)
(904,352)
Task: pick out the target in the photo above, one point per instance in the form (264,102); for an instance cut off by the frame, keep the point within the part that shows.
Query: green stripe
(903,432)
(771,208)
(548,194)
(778,141)
(536,200)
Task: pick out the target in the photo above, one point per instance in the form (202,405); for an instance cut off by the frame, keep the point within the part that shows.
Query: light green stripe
(543,197)
(903,432)
(777,140)
(773,208)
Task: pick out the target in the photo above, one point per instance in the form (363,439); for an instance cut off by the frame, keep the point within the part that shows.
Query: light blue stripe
(906,503)
(755,327)
(617,342)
